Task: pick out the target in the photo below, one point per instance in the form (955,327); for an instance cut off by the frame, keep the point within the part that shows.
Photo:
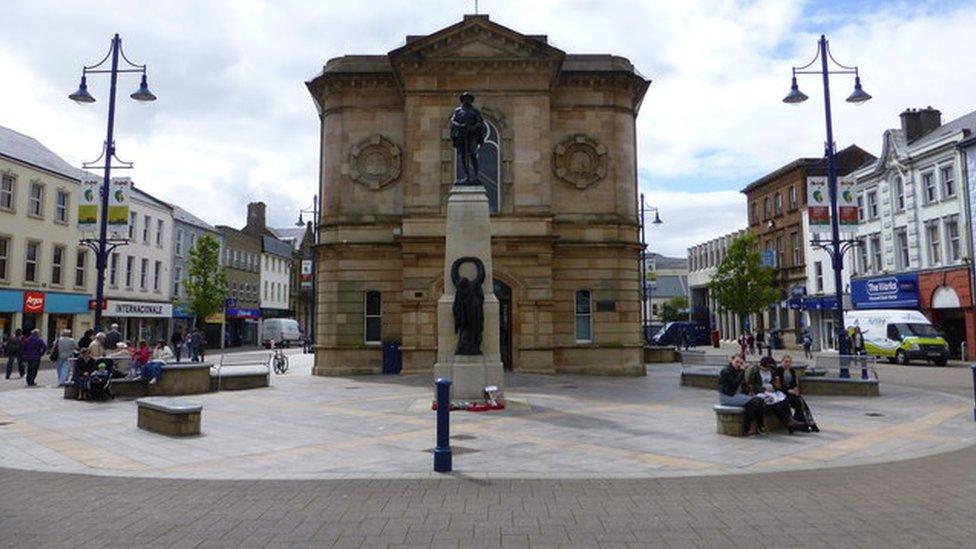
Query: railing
(842,366)
(243,360)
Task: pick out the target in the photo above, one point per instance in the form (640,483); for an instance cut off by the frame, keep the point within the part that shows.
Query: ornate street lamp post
(103,246)
(835,247)
(314,225)
(645,306)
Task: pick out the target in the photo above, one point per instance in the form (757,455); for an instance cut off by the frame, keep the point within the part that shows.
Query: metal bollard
(973,367)
(442,452)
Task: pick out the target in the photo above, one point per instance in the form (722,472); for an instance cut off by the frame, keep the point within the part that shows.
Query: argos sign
(33,302)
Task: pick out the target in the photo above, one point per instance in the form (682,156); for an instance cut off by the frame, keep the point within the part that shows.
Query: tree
(674,309)
(741,284)
(205,282)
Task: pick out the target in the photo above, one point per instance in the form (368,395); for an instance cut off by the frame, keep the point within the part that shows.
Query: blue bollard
(973,368)
(442,452)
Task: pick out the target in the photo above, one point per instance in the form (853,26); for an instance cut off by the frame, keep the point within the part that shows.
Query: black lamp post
(314,227)
(103,246)
(835,247)
(645,306)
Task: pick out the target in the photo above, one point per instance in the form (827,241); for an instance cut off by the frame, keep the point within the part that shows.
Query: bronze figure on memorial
(469,301)
(467,135)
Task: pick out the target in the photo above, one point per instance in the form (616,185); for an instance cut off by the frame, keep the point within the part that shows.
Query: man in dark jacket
(199,343)
(732,391)
(13,347)
(177,343)
(34,349)
(113,338)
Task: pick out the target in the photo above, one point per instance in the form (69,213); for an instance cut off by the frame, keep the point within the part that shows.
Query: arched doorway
(504,294)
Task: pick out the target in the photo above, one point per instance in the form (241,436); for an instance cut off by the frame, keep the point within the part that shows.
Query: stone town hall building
(559,166)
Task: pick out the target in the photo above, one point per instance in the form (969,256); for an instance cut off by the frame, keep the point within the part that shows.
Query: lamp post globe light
(645,306)
(835,247)
(103,245)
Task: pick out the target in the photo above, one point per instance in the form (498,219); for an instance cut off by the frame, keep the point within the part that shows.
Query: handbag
(54,353)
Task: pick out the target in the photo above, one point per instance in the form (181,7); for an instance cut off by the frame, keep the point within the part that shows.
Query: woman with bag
(759,381)
(788,381)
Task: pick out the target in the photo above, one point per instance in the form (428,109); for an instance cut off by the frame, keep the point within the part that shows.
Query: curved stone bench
(169,416)
(177,378)
(238,377)
(728,420)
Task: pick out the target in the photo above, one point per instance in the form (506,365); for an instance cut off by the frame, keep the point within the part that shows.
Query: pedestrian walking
(743,344)
(63,350)
(34,349)
(13,346)
(199,344)
(807,345)
(177,344)
(86,339)
(760,341)
(751,340)
(113,337)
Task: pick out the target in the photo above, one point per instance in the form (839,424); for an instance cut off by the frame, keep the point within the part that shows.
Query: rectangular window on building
(159,232)
(876,253)
(929,191)
(863,256)
(860,207)
(57,265)
(901,240)
(778,203)
(265,290)
(792,198)
(818,276)
(952,239)
(81,258)
(4,256)
(157,275)
(872,205)
(35,200)
(755,211)
(780,252)
(935,243)
(132,225)
(7,184)
(61,207)
(948,182)
(899,192)
(795,245)
(144,274)
(146,225)
(373,307)
(130,267)
(31,255)
(193,240)
(583,317)
(179,242)
(177,274)
(765,208)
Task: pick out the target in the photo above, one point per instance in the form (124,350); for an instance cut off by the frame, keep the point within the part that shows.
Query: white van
(900,336)
(282,331)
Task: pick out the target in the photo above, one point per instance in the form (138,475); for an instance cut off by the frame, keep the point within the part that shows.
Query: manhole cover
(874,414)
(463,437)
(457,450)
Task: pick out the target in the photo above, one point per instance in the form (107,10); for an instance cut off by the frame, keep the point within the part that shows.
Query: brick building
(559,166)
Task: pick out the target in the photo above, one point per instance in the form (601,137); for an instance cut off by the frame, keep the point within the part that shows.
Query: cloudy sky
(234,121)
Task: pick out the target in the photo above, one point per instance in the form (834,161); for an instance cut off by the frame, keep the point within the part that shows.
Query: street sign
(230,303)
(768,259)
(306,273)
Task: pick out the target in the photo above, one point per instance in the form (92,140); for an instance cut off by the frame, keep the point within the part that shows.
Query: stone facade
(561,164)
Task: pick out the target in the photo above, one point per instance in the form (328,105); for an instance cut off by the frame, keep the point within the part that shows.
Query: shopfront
(821,312)
(899,291)
(945,297)
(242,326)
(49,312)
(140,320)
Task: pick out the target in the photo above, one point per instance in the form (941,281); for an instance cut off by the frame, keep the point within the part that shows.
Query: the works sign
(895,292)
(139,309)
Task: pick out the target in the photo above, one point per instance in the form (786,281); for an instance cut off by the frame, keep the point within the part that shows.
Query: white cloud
(234,121)
(689,218)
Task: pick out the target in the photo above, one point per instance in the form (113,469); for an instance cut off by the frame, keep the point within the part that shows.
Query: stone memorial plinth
(468,235)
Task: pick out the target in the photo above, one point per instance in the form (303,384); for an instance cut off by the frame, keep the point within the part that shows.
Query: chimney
(918,122)
(256,216)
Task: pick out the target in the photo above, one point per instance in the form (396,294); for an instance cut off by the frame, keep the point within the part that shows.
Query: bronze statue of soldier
(467,135)
(468,309)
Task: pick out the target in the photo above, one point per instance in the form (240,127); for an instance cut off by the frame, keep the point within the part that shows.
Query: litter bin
(716,336)
(392,357)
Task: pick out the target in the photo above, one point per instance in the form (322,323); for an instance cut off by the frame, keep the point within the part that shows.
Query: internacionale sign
(139,309)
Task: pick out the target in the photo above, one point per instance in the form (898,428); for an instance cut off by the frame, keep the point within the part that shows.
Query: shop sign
(846,204)
(33,302)
(118,205)
(885,292)
(216,318)
(89,194)
(243,313)
(139,309)
(818,202)
(93,304)
(306,274)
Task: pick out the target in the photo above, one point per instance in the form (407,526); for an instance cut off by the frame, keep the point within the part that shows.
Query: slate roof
(964,122)
(663,262)
(272,245)
(668,286)
(28,150)
(292,235)
(184,216)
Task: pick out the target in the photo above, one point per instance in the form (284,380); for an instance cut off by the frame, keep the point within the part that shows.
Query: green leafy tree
(741,284)
(205,282)
(675,309)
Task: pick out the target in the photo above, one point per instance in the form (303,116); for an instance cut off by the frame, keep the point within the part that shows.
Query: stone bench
(707,378)
(238,377)
(177,378)
(169,416)
(728,420)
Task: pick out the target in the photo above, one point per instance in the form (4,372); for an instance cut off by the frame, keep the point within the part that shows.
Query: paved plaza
(575,462)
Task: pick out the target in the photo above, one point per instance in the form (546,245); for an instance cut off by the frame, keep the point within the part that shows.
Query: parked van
(282,331)
(673,334)
(899,335)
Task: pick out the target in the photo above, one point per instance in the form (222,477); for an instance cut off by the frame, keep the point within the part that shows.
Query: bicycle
(279,361)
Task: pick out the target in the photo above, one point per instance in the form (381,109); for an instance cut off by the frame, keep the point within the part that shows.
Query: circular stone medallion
(374,162)
(580,161)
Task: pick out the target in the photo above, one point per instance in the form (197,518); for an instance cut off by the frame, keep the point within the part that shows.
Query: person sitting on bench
(732,392)
(759,382)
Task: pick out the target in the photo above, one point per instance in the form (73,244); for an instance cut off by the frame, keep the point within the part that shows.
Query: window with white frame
(146,225)
(755,211)
(113,270)
(583,317)
(901,241)
(935,243)
(872,204)
(130,268)
(898,189)
(132,225)
(863,256)
(157,275)
(160,226)
(35,200)
(780,252)
(953,250)
(144,274)
(765,208)
(929,191)
(948,182)
(818,276)
(4,256)
(860,207)
(792,197)
(373,313)
(31,254)
(177,275)
(61,207)
(179,242)
(7,185)
(57,265)
(795,245)
(193,240)
(876,258)
(266,283)
(81,258)
(778,203)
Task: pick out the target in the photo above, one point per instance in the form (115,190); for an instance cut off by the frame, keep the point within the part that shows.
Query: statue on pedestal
(469,301)
(467,135)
